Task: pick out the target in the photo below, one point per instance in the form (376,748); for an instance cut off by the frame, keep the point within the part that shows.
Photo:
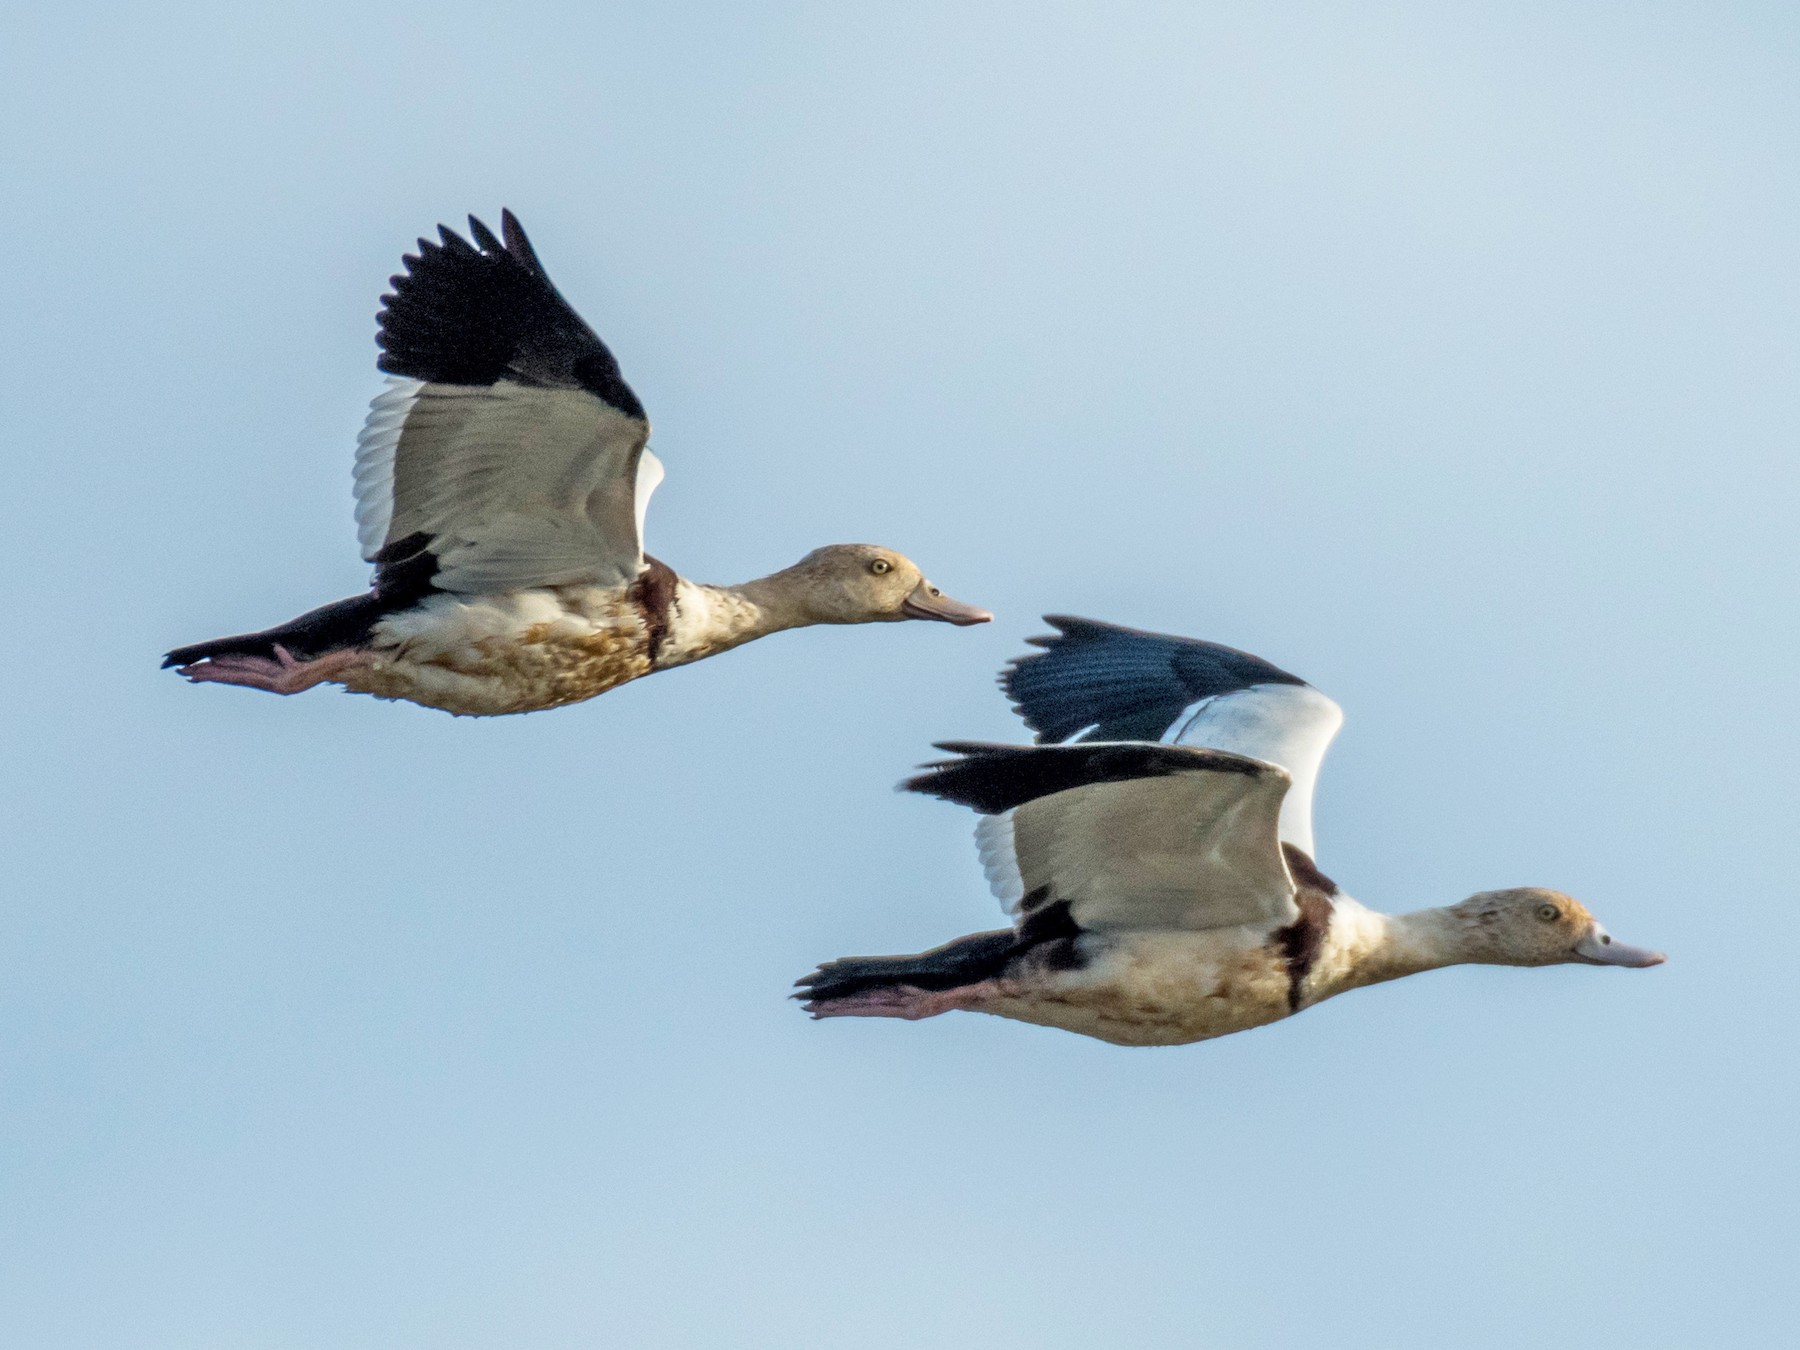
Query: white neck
(1387,946)
(711,619)
(1425,939)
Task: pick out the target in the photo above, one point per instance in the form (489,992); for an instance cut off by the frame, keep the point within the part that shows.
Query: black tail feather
(968,960)
(330,628)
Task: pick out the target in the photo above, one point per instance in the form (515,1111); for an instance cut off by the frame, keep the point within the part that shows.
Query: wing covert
(1133,836)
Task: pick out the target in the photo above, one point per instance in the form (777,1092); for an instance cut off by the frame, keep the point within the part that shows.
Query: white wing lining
(649,477)
(1287,724)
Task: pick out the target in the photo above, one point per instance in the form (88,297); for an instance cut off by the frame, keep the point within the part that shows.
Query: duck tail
(909,987)
(318,632)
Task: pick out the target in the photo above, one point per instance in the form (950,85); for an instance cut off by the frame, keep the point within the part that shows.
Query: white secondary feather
(374,472)
(518,486)
(1191,850)
(1287,724)
(994,845)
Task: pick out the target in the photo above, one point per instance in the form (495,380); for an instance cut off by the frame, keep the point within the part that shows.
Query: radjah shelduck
(1160,867)
(501,485)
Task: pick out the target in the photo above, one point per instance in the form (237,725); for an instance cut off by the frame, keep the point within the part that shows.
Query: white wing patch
(1286,724)
(1000,860)
(374,474)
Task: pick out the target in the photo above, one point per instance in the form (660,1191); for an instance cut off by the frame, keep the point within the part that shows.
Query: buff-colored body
(1173,988)
(537,649)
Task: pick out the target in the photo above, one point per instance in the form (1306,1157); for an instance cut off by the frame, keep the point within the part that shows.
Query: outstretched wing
(1101,682)
(507,446)
(1131,836)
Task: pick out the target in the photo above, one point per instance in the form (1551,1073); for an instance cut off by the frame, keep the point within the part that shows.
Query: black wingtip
(993,778)
(970,747)
(484,237)
(517,243)
(963,751)
(1008,675)
(925,778)
(1105,681)
(477,313)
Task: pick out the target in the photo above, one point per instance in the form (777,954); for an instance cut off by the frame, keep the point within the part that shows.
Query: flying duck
(1159,865)
(501,485)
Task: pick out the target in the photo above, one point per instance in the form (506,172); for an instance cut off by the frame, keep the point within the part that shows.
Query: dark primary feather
(465,313)
(996,778)
(1126,684)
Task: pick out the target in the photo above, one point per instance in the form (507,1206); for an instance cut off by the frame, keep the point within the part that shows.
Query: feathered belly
(520,653)
(1173,991)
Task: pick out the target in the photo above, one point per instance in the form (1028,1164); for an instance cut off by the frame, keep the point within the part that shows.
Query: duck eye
(881,567)
(1548,913)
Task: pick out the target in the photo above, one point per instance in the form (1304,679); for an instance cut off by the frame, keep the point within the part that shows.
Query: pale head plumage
(1533,926)
(864,583)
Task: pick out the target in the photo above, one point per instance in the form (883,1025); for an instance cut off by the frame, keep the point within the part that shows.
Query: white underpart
(450,625)
(518,486)
(1286,724)
(374,473)
(999,860)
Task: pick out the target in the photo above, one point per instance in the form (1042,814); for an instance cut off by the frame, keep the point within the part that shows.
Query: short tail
(906,986)
(330,628)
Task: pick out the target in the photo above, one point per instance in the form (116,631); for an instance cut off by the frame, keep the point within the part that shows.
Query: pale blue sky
(1443,354)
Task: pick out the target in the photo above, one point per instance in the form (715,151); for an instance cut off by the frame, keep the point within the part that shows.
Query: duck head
(863,583)
(1531,926)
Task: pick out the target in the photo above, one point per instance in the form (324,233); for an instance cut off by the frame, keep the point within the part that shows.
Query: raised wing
(507,446)
(1131,836)
(1102,682)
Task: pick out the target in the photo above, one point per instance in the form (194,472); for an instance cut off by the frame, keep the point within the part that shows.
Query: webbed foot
(281,674)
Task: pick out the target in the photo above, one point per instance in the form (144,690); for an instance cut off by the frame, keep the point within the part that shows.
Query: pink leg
(900,1000)
(280,675)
